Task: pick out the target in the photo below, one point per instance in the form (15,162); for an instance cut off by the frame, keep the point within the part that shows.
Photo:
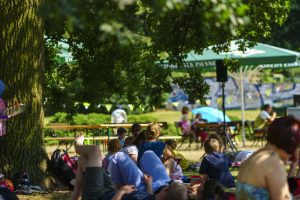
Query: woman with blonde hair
(152,143)
(214,165)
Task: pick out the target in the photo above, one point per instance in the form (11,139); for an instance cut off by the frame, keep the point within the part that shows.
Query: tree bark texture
(22,70)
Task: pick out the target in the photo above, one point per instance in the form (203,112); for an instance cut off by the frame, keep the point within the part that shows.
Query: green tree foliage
(63,85)
(286,35)
(116,43)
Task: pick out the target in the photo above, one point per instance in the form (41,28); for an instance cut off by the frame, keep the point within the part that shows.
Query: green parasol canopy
(258,57)
(264,55)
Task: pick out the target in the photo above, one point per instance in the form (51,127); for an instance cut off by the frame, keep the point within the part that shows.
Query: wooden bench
(105,128)
(69,141)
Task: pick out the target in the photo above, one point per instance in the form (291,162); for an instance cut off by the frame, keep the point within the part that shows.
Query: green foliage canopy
(116,43)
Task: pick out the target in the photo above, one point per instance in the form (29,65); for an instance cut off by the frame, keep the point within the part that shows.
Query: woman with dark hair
(262,175)
(267,115)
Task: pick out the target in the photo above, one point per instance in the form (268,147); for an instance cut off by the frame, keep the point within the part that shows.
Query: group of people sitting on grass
(142,168)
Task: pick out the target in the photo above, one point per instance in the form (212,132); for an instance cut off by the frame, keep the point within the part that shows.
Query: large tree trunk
(22,70)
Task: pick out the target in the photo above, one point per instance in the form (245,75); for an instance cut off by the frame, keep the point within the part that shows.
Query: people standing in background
(185,125)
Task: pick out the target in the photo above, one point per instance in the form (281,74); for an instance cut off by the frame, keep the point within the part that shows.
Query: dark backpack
(63,167)
(6,194)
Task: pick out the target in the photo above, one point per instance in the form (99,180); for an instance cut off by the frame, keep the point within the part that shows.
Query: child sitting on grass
(171,152)
(214,165)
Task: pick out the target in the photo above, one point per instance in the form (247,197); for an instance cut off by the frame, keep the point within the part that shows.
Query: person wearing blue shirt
(151,143)
(122,132)
(214,165)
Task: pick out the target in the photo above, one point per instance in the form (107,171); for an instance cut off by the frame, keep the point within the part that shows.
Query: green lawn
(160,115)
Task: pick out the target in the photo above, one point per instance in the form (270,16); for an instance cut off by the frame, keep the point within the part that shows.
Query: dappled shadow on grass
(59,195)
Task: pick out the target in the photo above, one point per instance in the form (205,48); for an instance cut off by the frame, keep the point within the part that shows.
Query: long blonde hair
(153,131)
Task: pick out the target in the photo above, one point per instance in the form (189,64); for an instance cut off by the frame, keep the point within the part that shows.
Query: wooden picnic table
(106,128)
(73,127)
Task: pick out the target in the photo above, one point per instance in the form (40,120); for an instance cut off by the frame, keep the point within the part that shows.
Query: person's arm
(148,182)
(169,165)
(274,115)
(204,166)
(192,191)
(78,183)
(127,189)
(276,182)
(267,116)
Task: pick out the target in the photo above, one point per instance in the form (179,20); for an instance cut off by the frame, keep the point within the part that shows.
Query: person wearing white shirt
(266,116)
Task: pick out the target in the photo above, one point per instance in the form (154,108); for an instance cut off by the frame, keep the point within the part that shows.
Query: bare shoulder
(258,166)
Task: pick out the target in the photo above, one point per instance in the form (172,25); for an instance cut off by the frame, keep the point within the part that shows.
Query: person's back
(214,165)
(263,174)
(151,143)
(156,146)
(253,172)
(254,168)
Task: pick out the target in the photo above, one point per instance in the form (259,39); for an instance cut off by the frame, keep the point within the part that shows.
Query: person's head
(220,140)
(136,129)
(153,131)
(173,191)
(211,145)
(129,140)
(284,133)
(267,107)
(132,152)
(212,189)
(121,132)
(198,116)
(140,138)
(172,143)
(113,146)
(185,110)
